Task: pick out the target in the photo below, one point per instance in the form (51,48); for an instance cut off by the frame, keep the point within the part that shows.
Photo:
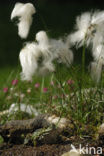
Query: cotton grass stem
(42,86)
(83,62)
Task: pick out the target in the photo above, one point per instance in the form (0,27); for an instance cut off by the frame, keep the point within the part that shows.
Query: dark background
(57,17)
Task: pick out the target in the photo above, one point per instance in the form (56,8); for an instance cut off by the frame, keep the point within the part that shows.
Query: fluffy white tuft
(98,43)
(37,58)
(97,17)
(28,59)
(24,12)
(96,70)
(42,39)
(82,25)
(90,31)
(61,51)
(86,27)
(43,43)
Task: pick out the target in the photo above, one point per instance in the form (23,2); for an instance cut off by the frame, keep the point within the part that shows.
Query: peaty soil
(48,149)
(53,142)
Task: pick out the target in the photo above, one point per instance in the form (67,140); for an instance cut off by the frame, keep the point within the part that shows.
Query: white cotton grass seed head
(98,48)
(98,52)
(24,12)
(81,28)
(37,58)
(98,43)
(97,17)
(61,51)
(42,39)
(48,67)
(96,70)
(15,11)
(90,31)
(28,59)
(87,24)
(43,44)
(65,55)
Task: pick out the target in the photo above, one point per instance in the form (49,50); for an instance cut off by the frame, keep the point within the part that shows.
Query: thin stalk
(80,105)
(10,76)
(83,61)
(42,86)
(52,77)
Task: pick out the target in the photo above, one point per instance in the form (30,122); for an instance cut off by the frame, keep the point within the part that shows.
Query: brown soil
(45,150)
(48,146)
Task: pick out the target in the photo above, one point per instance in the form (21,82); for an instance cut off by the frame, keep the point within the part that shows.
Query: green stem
(80,105)
(83,61)
(42,89)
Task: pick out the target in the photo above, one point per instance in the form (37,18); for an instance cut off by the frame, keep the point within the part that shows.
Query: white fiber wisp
(24,12)
(81,28)
(87,24)
(96,70)
(28,59)
(90,31)
(37,58)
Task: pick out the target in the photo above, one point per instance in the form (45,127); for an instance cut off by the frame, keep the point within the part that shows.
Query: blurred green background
(55,17)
